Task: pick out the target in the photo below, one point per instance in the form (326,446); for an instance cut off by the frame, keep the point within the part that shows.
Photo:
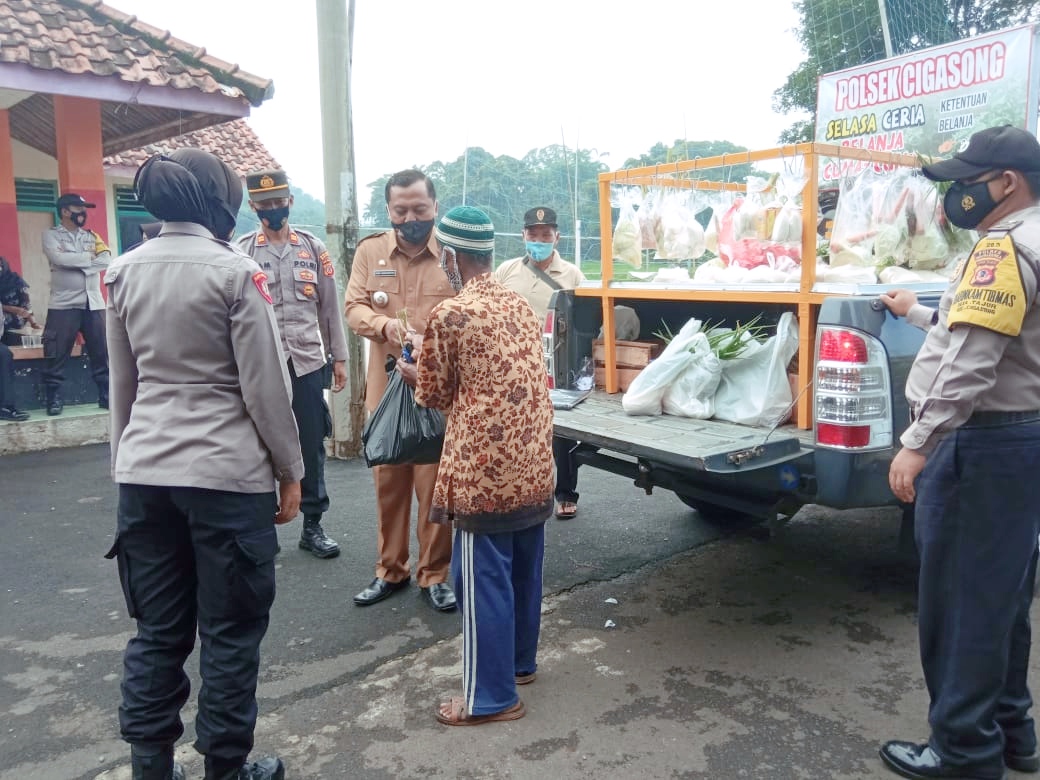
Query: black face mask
(414,232)
(275,217)
(966,205)
(79,219)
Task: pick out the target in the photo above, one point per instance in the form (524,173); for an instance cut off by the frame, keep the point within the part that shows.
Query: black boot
(102,400)
(55,405)
(314,540)
(147,765)
(264,769)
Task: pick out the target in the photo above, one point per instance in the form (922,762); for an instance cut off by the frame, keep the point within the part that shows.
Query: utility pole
(886,34)
(335,36)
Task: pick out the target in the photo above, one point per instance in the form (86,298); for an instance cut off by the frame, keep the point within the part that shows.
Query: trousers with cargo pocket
(191,558)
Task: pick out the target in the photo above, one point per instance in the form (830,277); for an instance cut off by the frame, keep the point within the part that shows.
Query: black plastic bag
(401,431)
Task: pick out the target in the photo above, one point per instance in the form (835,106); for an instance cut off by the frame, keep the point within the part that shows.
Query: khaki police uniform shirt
(200,392)
(969,368)
(415,284)
(75,269)
(302,282)
(518,277)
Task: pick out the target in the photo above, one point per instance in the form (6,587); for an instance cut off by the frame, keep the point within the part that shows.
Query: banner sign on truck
(931,101)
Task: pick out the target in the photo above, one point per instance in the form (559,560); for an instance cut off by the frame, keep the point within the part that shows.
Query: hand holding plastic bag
(401,431)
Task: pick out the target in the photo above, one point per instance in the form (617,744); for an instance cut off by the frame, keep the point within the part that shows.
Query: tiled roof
(87,36)
(233,142)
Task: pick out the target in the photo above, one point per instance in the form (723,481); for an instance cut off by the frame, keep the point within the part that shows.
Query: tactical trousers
(498,583)
(976,526)
(315,425)
(59,336)
(191,558)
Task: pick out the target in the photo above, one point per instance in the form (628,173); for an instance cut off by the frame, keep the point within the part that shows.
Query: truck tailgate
(707,445)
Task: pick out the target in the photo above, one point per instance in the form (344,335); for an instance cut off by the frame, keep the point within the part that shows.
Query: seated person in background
(14,300)
(8,412)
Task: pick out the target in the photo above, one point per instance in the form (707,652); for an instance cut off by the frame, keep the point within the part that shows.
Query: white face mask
(453,274)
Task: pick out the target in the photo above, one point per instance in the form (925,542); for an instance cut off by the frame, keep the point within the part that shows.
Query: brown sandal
(455,714)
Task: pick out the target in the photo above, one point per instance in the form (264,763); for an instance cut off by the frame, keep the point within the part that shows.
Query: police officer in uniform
(77,257)
(536,276)
(302,282)
(394,271)
(202,431)
(970,459)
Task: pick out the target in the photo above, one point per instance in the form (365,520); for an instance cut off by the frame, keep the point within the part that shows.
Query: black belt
(986,419)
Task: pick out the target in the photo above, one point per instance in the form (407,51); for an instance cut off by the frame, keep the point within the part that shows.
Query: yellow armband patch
(990,293)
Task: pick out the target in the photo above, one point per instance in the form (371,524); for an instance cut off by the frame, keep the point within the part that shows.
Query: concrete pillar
(10,247)
(77,132)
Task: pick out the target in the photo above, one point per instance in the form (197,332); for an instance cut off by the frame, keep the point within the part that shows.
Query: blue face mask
(275,217)
(539,250)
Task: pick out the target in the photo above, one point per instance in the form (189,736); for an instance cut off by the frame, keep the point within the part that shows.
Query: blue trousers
(976,525)
(498,583)
(191,558)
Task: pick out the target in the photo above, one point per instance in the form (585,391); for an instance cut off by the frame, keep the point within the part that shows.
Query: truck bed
(708,445)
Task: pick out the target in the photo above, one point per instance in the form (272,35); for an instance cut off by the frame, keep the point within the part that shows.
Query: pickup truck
(734,474)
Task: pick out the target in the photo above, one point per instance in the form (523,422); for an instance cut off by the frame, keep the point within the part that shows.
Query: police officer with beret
(970,459)
(77,257)
(302,282)
(202,432)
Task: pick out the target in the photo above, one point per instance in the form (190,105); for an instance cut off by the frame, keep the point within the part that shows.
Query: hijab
(190,185)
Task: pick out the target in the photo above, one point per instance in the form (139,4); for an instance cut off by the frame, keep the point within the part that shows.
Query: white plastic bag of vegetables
(754,389)
(628,244)
(647,390)
(692,392)
(679,236)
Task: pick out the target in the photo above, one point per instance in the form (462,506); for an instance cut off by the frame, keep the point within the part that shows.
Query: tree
(682,149)
(839,34)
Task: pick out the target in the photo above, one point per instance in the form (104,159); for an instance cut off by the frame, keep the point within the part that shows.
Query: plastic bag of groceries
(401,431)
(679,236)
(628,242)
(692,392)
(646,393)
(754,389)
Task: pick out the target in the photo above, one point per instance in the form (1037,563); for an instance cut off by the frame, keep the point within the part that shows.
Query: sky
(431,79)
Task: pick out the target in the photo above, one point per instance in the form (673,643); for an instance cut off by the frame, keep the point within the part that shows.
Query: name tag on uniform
(390,272)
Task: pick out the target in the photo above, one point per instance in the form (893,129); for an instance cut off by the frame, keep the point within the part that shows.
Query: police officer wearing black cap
(969,460)
(77,257)
(302,281)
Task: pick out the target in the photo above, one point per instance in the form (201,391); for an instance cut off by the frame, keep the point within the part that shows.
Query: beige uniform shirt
(518,277)
(200,392)
(383,281)
(968,369)
(302,282)
(75,269)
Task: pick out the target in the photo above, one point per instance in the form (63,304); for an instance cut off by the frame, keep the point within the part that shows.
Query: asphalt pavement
(668,650)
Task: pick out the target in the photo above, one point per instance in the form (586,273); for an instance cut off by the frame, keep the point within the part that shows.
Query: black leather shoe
(102,402)
(159,766)
(314,540)
(1022,762)
(264,769)
(920,761)
(11,414)
(55,406)
(379,590)
(440,596)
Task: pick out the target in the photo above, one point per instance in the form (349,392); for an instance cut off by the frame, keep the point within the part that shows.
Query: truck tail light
(549,347)
(852,391)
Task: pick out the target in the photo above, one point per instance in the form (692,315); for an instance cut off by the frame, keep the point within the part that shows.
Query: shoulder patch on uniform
(990,294)
(112,274)
(374,235)
(327,267)
(294,237)
(260,280)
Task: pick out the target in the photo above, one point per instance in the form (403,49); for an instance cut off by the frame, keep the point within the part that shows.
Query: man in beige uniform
(527,275)
(394,271)
(202,432)
(969,461)
(302,282)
